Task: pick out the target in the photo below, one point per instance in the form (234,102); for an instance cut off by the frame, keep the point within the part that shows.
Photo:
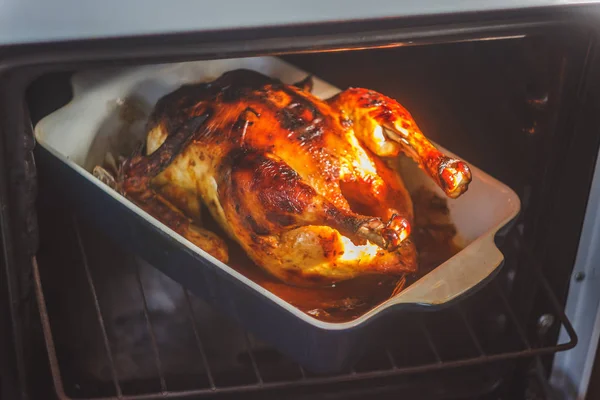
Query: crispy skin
(283,173)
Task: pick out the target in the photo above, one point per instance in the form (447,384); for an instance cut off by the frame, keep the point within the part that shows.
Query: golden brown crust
(282,172)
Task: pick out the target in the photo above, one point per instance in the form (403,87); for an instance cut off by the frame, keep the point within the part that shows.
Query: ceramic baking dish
(75,138)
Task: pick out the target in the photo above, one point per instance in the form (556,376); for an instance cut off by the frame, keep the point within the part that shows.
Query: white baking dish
(80,134)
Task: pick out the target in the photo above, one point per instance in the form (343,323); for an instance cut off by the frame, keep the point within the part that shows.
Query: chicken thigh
(300,183)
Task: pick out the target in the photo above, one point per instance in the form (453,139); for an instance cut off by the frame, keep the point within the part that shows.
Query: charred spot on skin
(301,117)
(329,245)
(374,101)
(255,238)
(235,158)
(234,85)
(232,93)
(304,103)
(280,219)
(289,119)
(332,212)
(256,228)
(174,145)
(385,115)
(239,123)
(368,98)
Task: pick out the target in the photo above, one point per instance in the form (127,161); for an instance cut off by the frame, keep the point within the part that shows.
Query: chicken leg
(269,197)
(387,128)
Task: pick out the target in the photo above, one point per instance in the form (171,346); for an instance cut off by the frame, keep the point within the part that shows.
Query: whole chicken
(299,182)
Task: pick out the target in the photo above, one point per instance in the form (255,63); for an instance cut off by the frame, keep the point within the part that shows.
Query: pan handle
(456,276)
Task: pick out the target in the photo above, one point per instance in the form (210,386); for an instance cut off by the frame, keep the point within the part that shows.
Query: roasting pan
(76,137)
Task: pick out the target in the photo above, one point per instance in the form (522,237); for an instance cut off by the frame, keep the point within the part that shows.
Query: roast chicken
(300,183)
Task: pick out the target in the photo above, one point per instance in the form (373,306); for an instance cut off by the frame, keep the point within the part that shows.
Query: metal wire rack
(485,329)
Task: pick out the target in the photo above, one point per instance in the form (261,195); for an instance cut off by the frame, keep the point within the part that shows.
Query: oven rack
(466,343)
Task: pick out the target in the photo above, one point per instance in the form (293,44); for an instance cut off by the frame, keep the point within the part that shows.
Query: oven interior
(98,322)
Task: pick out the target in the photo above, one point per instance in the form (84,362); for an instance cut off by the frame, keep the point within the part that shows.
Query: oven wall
(577,370)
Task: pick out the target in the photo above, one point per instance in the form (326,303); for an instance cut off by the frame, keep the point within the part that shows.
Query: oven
(514,92)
